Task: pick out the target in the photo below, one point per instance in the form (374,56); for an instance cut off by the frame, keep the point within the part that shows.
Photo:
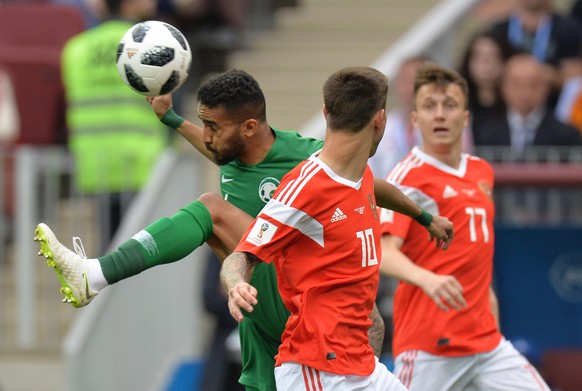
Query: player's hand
(241,296)
(441,229)
(445,291)
(160,104)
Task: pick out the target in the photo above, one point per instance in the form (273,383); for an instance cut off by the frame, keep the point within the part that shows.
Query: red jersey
(464,196)
(323,234)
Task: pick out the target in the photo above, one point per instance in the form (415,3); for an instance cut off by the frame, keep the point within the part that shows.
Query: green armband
(425,218)
(172,120)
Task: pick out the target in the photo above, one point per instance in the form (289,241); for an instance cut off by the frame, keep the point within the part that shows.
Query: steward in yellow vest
(114,135)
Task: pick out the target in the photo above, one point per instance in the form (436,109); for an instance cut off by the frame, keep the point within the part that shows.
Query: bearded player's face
(221,135)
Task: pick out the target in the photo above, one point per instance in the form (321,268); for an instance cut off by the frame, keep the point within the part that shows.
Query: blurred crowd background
(77,148)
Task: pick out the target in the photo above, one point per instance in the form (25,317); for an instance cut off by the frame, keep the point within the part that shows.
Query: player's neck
(346,154)
(447,154)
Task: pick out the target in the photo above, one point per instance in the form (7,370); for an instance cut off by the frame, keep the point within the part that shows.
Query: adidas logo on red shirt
(449,192)
(338,215)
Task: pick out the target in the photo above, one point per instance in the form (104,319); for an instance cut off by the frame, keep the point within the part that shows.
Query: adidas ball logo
(131,52)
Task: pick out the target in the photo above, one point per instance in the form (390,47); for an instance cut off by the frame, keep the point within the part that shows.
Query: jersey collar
(427,159)
(333,175)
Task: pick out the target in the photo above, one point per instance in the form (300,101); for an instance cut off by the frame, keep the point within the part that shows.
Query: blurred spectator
(482,66)
(113,134)
(9,122)
(569,106)
(222,368)
(534,27)
(196,15)
(526,120)
(400,136)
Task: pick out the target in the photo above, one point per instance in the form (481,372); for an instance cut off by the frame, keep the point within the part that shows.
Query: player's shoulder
(479,163)
(299,172)
(76,41)
(408,167)
(302,181)
(294,138)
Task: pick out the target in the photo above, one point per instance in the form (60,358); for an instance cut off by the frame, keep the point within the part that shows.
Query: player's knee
(209,199)
(214,203)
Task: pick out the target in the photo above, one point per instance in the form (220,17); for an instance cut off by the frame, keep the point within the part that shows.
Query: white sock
(95,275)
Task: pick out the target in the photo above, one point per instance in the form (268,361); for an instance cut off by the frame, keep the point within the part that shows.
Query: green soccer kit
(249,188)
(170,239)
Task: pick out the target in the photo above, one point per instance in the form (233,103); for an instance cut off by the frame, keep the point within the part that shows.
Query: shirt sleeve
(271,232)
(393,223)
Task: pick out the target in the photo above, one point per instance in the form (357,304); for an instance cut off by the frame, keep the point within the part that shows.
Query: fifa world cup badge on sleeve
(262,232)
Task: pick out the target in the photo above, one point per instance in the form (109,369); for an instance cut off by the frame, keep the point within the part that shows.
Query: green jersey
(249,188)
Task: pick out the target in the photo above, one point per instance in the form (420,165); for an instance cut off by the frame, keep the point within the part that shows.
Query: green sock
(167,240)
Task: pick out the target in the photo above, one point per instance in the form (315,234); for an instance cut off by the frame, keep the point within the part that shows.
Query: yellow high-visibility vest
(114,134)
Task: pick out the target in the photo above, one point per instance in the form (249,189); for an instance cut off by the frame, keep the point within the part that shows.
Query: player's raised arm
(390,197)
(162,106)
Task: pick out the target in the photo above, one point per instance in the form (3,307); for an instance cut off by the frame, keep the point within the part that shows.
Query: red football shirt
(464,196)
(323,234)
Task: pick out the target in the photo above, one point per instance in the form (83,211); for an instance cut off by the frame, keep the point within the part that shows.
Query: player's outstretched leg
(70,266)
(169,239)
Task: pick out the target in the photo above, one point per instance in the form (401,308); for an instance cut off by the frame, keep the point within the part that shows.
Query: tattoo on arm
(376,332)
(235,268)
(252,260)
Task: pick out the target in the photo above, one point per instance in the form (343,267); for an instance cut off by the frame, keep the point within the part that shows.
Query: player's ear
(249,127)
(413,118)
(380,120)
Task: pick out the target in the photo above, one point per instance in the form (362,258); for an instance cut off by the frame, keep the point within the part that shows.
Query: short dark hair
(353,95)
(237,92)
(431,73)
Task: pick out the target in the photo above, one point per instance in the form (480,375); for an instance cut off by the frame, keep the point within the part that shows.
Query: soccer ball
(153,58)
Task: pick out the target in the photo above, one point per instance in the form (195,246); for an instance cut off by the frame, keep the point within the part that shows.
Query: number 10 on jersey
(369,255)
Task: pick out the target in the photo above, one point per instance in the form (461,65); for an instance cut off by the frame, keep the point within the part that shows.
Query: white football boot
(70,266)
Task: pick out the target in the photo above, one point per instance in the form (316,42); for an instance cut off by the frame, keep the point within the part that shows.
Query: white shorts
(502,369)
(291,376)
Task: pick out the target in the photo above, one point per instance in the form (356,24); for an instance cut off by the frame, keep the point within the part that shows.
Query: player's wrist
(171,119)
(425,218)
(419,278)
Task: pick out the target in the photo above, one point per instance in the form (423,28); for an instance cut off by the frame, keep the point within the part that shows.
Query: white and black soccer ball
(154,58)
